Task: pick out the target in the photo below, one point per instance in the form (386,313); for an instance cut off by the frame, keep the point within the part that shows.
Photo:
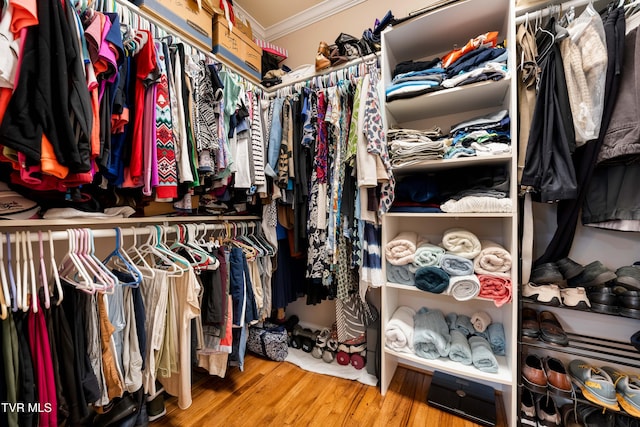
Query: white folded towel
(461,242)
(399,330)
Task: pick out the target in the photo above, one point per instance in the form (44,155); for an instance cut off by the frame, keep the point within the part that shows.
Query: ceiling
(271,19)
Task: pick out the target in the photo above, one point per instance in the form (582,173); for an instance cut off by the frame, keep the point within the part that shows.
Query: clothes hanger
(19,293)
(72,270)
(209,262)
(110,279)
(54,270)
(42,275)
(134,254)
(5,296)
(25,284)
(12,281)
(120,260)
(198,257)
(164,258)
(32,272)
(161,245)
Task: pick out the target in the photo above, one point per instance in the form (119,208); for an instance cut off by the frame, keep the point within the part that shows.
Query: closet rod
(366,58)
(111,232)
(135,9)
(542,10)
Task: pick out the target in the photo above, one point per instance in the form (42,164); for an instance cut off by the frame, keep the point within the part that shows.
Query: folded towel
(460,350)
(480,321)
(401,249)
(493,259)
(477,204)
(464,288)
(431,338)
(461,242)
(427,255)
(399,331)
(400,274)
(496,338)
(456,265)
(432,279)
(496,288)
(451,319)
(482,356)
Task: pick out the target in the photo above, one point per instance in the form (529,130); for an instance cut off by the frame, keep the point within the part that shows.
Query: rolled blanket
(431,338)
(480,321)
(464,288)
(432,279)
(456,265)
(400,274)
(493,259)
(401,249)
(399,330)
(496,338)
(461,242)
(427,255)
(482,356)
(496,288)
(460,350)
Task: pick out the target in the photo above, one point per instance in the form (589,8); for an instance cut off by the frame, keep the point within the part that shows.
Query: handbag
(270,341)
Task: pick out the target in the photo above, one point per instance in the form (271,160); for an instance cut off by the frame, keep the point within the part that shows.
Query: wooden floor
(282,394)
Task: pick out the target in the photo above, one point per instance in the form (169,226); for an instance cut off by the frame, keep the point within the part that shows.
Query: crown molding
(300,20)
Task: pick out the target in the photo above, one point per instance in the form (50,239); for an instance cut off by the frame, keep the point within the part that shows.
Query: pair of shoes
(575,298)
(596,384)
(547,294)
(630,302)
(550,329)
(594,274)
(546,375)
(592,416)
(627,390)
(325,347)
(527,409)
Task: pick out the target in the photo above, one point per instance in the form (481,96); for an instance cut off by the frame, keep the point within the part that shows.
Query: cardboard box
(236,47)
(183,16)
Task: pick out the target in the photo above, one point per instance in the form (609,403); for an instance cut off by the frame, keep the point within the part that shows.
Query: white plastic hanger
(19,294)
(54,270)
(72,270)
(5,299)
(43,273)
(135,255)
(25,273)
(32,273)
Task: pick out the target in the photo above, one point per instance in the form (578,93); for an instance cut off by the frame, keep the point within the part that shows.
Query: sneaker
(575,298)
(548,294)
(594,274)
(547,412)
(527,409)
(627,390)
(596,385)
(155,406)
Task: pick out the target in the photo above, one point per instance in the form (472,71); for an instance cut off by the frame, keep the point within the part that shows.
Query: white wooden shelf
(433,165)
(449,215)
(115,222)
(503,376)
(409,288)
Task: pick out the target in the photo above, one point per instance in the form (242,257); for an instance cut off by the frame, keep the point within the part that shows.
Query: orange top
(489,39)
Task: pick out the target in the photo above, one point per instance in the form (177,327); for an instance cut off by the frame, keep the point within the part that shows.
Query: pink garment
(43,369)
(496,288)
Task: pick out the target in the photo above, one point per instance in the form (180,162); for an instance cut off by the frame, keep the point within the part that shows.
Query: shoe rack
(423,38)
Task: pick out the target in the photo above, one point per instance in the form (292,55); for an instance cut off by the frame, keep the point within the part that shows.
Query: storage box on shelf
(429,36)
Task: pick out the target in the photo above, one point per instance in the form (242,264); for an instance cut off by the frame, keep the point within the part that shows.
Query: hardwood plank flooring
(282,394)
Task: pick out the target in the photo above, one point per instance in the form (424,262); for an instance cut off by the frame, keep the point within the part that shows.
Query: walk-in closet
(350,212)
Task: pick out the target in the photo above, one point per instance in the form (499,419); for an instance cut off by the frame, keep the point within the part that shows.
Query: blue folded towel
(463,324)
(483,357)
(400,274)
(496,338)
(431,338)
(432,279)
(460,350)
(456,265)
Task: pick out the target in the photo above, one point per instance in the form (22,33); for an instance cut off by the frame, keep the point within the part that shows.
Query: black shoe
(569,268)
(546,273)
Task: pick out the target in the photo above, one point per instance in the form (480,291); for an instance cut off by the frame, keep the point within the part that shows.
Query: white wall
(303,44)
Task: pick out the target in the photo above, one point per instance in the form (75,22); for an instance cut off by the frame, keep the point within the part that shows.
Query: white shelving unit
(428,36)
